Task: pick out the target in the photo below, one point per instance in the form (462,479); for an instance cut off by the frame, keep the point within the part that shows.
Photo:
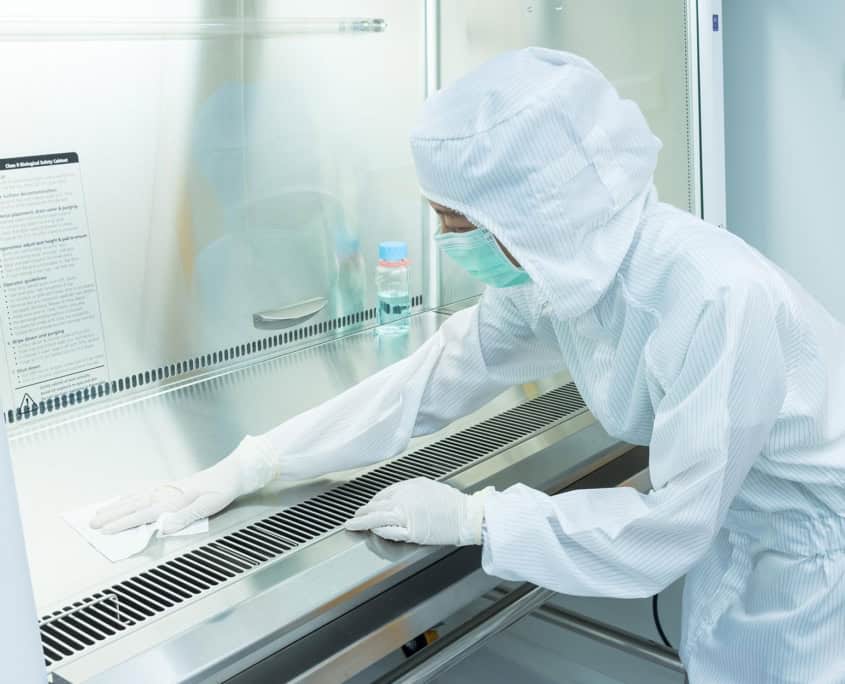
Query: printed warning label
(51,324)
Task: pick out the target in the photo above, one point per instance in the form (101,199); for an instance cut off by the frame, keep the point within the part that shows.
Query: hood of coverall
(537,146)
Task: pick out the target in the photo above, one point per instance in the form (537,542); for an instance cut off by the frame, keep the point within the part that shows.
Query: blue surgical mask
(478,253)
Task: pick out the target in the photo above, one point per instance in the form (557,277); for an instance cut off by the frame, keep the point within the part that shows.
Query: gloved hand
(424,512)
(248,468)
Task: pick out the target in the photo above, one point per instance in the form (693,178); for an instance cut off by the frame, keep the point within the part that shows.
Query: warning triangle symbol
(27,403)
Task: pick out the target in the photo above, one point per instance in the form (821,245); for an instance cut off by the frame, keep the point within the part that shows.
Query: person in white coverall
(679,336)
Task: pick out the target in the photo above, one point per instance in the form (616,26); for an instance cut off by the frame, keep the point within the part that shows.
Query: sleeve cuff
(472,532)
(257,464)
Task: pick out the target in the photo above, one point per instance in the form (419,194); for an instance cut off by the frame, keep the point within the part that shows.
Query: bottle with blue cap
(393,288)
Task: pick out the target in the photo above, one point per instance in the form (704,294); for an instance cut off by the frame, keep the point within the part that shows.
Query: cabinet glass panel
(206,182)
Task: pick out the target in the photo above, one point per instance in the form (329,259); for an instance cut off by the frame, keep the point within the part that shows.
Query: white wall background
(785,136)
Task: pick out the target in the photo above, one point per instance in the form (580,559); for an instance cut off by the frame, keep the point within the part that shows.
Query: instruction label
(49,305)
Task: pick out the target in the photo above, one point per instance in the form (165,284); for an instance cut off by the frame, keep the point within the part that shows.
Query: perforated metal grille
(86,623)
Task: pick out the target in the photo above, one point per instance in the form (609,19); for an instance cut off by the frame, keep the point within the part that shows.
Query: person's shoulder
(521,305)
(708,262)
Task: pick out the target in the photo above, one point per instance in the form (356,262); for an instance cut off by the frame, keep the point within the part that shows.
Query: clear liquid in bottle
(393,289)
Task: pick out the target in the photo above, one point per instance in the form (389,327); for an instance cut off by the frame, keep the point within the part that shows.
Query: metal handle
(166,27)
(447,652)
(288,316)
(510,607)
(606,634)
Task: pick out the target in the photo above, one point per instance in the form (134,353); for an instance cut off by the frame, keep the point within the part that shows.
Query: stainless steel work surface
(66,465)
(276,604)
(170,435)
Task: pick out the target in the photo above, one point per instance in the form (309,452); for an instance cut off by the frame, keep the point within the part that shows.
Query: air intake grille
(76,628)
(170,371)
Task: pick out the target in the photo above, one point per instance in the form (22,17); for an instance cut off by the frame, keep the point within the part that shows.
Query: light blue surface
(785,136)
(392,250)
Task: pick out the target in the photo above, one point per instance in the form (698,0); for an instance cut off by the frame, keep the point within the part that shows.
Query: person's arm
(475,355)
(709,427)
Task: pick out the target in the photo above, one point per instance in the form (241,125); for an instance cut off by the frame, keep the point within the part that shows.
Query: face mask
(478,253)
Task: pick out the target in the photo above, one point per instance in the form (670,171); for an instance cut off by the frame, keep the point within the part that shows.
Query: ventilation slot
(172,370)
(81,626)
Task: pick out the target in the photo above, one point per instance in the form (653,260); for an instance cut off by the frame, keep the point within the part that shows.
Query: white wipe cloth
(121,545)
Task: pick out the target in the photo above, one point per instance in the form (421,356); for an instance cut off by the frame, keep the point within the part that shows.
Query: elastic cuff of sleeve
(257,464)
(471,532)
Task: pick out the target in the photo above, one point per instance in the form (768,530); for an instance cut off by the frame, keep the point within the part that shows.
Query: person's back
(773,584)
(763,603)
(774,578)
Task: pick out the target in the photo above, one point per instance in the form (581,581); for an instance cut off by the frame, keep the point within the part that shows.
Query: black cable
(657,624)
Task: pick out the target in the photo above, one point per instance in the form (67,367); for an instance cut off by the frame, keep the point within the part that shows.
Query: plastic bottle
(393,288)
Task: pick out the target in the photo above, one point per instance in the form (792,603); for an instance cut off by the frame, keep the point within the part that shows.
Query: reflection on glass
(234,160)
(350,294)
(391,348)
(276,227)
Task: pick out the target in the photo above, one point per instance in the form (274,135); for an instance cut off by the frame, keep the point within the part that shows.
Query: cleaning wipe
(121,545)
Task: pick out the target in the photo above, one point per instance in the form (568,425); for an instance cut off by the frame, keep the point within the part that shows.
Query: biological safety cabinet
(191,200)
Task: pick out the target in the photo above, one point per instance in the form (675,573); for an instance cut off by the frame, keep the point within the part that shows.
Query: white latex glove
(424,512)
(177,504)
